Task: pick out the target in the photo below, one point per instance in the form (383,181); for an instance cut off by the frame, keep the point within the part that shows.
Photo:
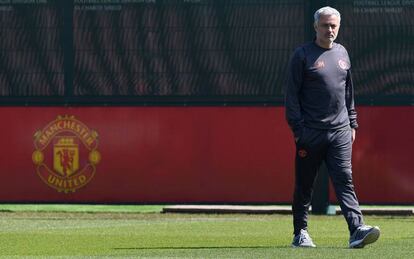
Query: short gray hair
(327,10)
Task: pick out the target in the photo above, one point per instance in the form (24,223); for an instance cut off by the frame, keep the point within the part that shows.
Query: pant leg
(338,161)
(309,155)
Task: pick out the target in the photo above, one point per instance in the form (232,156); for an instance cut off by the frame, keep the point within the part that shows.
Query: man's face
(327,28)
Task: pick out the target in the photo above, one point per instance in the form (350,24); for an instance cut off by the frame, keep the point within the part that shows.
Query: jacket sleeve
(350,105)
(293,86)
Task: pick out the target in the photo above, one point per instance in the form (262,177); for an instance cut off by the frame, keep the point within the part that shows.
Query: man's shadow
(197,247)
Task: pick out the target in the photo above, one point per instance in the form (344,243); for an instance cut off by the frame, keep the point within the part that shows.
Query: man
(320,111)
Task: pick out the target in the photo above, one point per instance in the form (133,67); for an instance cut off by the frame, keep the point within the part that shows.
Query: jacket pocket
(302,137)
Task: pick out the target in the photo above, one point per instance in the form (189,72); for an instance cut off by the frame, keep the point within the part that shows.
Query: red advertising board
(382,155)
(184,155)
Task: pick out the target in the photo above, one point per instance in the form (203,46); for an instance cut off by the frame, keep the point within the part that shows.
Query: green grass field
(129,233)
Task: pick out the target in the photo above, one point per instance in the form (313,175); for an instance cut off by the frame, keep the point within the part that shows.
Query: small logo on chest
(319,64)
(343,64)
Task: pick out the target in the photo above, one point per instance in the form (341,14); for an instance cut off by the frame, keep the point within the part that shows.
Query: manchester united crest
(343,64)
(66,154)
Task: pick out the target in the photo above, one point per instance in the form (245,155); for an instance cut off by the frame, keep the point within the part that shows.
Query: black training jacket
(319,90)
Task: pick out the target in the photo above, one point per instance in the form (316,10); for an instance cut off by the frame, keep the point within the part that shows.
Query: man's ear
(315,26)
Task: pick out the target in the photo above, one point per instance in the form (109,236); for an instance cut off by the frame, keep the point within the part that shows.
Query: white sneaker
(302,240)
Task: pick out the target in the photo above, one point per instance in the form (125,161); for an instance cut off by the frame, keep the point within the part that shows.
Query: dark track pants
(335,148)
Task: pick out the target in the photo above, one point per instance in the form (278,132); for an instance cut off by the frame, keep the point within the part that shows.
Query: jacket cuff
(354,125)
(297,132)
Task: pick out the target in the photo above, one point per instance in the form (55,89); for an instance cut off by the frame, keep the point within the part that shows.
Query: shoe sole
(370,238)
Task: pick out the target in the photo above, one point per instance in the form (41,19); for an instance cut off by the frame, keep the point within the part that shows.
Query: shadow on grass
(230,247)
(198,247)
